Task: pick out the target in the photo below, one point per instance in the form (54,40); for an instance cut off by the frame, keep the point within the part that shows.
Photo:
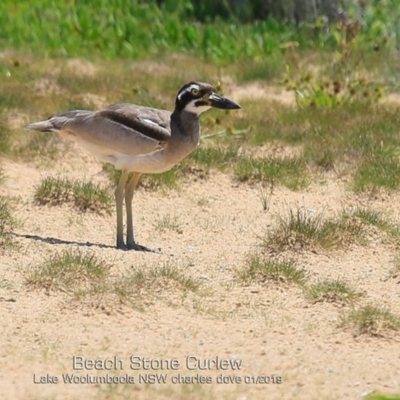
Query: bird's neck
(185,131)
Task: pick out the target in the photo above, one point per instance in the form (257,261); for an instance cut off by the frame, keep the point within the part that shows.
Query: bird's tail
(43,126)
(57,123)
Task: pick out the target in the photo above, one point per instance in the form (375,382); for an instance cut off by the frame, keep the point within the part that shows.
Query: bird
(138,140)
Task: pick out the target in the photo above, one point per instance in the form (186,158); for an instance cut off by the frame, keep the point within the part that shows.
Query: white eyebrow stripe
(188,89)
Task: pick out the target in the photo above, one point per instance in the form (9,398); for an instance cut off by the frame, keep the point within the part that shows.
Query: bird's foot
(139,247)
(136,247)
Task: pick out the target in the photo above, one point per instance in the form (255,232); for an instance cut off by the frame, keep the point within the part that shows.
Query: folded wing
(121,128)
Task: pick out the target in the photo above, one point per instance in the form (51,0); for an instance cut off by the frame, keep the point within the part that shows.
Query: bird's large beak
(219,101)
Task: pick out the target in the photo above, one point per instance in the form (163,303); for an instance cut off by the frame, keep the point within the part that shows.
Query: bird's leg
(129,191)
(119,198)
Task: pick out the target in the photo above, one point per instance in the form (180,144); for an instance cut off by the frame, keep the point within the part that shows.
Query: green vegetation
(136,29)
(152,281)
(371,320)
(333,118)
(303,229)
(71,271)
(332,291)
(7,223)
(83,195)
(374,218)
(261,270)
(218,156)
(4,138)
(289,172)
(314,109)
(380,168)
(381,396)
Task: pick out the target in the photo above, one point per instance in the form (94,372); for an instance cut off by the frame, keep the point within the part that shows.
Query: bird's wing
(124,128)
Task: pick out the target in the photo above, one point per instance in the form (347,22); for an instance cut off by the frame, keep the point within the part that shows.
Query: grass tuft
(7,223)
(93,197)
(371,320)
(260,270)
(302,229)
(167,222)
(332,291)
(155,280)
(83,195)
(374,218)
(168,272)
(69,271)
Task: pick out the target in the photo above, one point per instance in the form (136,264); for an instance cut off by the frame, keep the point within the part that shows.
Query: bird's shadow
(52,240)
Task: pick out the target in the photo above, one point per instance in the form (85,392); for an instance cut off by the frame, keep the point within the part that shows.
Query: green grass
(332,291)
(143,283)
(7,223)
(137,29)
(261,270)
(302,229)
(39,145)
(4,137)
(93,197)
(374,218)
(357,138)
(85,196)
(371,320)
(172,273)
(132,29)
(381,396)
(217,156)
(290,172)
(378,170)
(71,271)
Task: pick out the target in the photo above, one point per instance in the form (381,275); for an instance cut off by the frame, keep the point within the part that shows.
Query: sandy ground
(286,346)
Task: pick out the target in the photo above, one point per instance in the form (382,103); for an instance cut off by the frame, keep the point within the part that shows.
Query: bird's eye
(195,92)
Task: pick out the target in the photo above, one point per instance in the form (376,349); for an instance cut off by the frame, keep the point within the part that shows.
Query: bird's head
(197,97)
